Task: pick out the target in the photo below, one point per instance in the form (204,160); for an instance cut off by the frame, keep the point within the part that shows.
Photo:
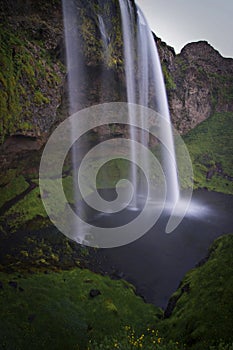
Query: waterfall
(127,18)
(143,90)
(150,72)
(169,156)
(76,74)
(104,37)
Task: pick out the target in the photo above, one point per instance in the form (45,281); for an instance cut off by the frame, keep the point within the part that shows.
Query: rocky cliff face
(199,82)
(33,78)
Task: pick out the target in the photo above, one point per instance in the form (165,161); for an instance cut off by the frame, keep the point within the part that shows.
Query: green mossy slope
(211,150)
(56,311)
(202,315)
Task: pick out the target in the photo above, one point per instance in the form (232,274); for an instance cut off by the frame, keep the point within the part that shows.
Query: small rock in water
(117,275)
(94,293)
(120,275)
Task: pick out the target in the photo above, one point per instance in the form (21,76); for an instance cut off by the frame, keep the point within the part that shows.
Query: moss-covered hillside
(211,150)
(200,312)
(68,309)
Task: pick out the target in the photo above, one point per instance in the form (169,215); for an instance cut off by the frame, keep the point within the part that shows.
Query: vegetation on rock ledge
(202,306)
(28,80)
(211,150)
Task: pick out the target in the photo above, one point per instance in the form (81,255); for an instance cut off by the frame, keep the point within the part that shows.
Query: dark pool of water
(157,262)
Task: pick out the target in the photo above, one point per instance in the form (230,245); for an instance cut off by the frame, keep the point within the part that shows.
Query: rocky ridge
(199,82)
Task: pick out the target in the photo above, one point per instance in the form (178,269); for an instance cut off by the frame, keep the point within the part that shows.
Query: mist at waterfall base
(156,263)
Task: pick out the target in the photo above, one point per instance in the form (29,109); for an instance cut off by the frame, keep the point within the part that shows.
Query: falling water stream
(127,17)
(148,66)
(76,73)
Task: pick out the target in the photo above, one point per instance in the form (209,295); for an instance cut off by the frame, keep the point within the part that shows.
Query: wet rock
(210,174)
(120,275)
(18,143)
(117,275)
(94,293)
(173,300)
(171,306)
(31,318)
(186,288)
(13,284)
(89,328)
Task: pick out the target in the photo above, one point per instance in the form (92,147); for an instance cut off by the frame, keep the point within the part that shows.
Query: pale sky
(178,22)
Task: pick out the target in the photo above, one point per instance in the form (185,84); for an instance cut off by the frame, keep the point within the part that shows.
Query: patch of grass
(169,82)
(203,313)
(211,150)
(225,84)
(7,176)
(25,210)
(39,98)
(41,250)
(150,339)
(12,189)
(56,310)
(112,172)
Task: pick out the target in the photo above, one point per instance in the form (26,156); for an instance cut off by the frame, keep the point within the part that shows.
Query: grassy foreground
(78,309)
(65,310)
